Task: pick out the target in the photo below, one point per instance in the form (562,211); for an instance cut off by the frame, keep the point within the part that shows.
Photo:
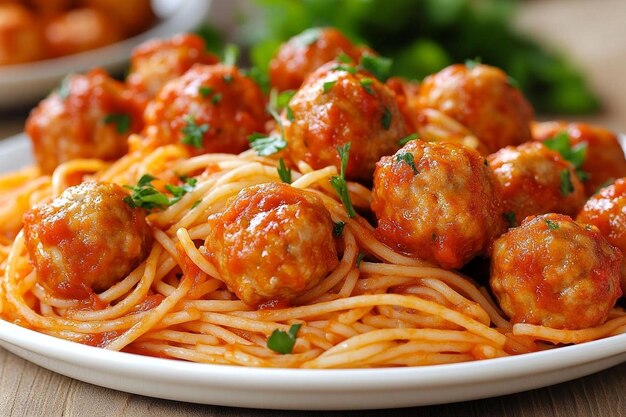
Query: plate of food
(347,241)
(24,83)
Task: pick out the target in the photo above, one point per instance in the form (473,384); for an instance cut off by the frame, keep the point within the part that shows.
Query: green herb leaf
(338,228)
(509,216)
(64,88)
(407,139)
(328,85)
(283,342)
(227,78)
(341,187)
(265,145)
(343,58)
(231,54)
(575,155)
(348,68)
(308,37)
(259,77)
(359,259)
(408,159)
(145,196)
(179,191)
(205,91)
(193,134)
(566,183)
(196,204)
(552,225)
(344,155)
(122,122)
(289,113)
(366,83)
(378,66)
(386,119)
(216,98)
(283,99)
(283,172)
(473,63)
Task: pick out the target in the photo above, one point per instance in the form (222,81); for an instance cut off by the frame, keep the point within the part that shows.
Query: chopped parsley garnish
(566,183)
(283,342)
(385,121)
(552,225)
(407,139)
(146,196)
(575,155)
(366,83)
(120,120)
(259,77)
(408,159)
(328,85)
(509,216)
(227,78)
(308,37)
(205,91)
(231,54)
(216,98)
(339,182)
(196,204)
(266,145)
(359,259)
(378,66)
(289,113)
(473,63)
(343,58)
(338,228)
(64,88)
(283,172)
(348,68)
(283,99)
(193,134)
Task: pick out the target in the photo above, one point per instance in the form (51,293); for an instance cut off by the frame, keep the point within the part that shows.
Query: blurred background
(568,56)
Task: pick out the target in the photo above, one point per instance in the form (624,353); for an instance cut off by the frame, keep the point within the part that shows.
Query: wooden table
(594,34)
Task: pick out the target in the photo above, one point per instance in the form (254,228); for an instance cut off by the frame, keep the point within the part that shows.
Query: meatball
(554,272)
(80,30)
(604,160)
(156,62)
(437,201)
(481,98)
(212,108)
(304,53)
(89,116)
(272,243)
(606,210)
(21,39)
(335,107)
(535,180)
(85,240)
(133,15)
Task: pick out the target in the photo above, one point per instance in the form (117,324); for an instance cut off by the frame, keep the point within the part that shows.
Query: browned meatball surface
(272,243)
(606,210)
(437,201)
(304,53)
(481,98)
(21,37)
(89,116)
(85,240)
(335,107)
(212,108)
(604,160)
(554,272)
(535,180)
(156,62)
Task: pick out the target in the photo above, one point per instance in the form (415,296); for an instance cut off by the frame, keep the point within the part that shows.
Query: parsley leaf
(179,191)
(122,122)
(378,66)
(344,58)
(339,182)
(193,133)
(205,91)
(266,145)
(231,54)
(566,183)
(283,172)
(289,113)
(283,99)
(366,83)
(473,63)
(386,119)
(328,85)
(146,196)
(338,228)
(308,37)
(64,88)
(216,98)
(348,68)
(228,78)
(575,155)
(552,225)
(359,259)
(255,74)
(408,159)
(407,139)
(283,342)
(509,216)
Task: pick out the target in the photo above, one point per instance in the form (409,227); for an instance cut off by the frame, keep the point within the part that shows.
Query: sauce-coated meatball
(481,98)
(158,61)
(21,38)
(554,272)
(306,52)
(212,108)
(134,15)
(89,116)
(607,211)
(604,161)
(272,243)
(437,201)
(335,107)
(535,180)
(85,240)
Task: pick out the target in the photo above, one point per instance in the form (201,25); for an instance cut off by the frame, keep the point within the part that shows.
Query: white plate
(26,83)
(301,389)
